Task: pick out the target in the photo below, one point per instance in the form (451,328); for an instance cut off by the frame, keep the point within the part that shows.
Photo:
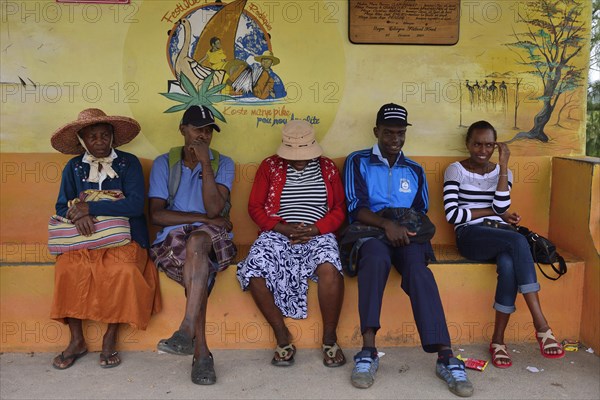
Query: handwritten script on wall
(404,21)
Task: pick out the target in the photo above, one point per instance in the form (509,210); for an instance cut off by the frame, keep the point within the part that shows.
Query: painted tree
(568,105)
(554,36)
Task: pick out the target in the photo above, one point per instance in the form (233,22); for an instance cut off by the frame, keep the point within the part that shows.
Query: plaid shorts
(169,255)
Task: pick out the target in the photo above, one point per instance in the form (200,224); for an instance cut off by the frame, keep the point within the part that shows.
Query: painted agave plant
(204,95)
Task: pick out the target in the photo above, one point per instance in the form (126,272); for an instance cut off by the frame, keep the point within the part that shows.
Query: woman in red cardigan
(297,201)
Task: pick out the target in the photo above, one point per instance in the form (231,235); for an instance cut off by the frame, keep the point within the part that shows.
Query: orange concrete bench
(30,185)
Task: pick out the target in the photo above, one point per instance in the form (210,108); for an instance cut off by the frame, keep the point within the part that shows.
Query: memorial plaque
(404,21)
(96,1)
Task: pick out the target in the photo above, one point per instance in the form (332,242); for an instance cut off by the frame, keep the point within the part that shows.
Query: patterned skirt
(286,268)
(169,255)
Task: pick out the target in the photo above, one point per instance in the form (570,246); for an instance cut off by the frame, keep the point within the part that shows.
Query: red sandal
(497,350)
(542,337)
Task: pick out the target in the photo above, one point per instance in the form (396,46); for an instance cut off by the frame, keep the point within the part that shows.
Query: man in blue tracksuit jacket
(383,177)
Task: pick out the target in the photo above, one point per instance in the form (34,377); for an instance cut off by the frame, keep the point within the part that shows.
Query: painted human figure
(266,83)
(215,57)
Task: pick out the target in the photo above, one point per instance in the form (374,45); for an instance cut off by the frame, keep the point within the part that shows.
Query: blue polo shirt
(189,194)
(370,182)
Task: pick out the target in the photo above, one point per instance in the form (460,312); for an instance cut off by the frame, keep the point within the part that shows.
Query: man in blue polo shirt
(189,189)
(382,178)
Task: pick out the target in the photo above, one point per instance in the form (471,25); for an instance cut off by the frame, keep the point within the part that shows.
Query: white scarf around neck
(95,163)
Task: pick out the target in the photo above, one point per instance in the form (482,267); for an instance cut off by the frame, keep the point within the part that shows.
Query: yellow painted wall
(74,56)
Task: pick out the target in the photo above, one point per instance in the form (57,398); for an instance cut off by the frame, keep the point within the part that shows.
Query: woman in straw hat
(297,200)
(266,83)
(111,285)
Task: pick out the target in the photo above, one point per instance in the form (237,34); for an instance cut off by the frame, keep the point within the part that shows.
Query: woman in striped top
(476,201)
(297,201)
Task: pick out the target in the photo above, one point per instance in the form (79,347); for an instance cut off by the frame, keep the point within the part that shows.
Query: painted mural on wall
(535,96)
(499,95)
(547,45)
(221,52)
(259,63)
(256,64)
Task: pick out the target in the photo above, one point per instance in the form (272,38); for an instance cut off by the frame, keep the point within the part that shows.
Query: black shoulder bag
(354,236)
(544,251)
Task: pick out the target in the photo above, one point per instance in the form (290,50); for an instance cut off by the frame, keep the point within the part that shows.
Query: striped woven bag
(109,231)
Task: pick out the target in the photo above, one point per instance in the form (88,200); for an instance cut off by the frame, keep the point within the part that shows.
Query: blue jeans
(514,264)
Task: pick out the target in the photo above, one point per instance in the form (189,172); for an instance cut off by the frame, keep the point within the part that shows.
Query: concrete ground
(406,373)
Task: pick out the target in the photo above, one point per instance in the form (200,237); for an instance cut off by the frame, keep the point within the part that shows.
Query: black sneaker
(455,376)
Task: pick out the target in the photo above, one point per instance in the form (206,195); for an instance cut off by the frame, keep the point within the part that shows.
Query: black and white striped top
(464,190)
(304,195)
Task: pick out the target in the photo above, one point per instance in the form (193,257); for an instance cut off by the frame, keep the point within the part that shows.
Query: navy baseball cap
(392,114)
(199,116)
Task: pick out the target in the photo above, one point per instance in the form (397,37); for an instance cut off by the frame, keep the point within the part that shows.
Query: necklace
(477,178)
(484,169)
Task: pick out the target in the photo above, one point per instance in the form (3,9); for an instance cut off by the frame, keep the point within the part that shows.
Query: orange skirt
(113,285)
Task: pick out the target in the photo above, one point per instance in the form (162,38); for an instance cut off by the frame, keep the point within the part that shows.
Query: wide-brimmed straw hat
(269,55)
(65,138)
(298,141)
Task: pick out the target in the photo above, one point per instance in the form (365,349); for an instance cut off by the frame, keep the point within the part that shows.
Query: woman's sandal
(179,343)
(284,356)
(203,371)
(72,358)
(499,352)
(542,338)
(330,354)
